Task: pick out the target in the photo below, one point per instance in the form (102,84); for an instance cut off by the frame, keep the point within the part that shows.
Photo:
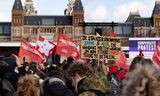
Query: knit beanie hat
(11,62)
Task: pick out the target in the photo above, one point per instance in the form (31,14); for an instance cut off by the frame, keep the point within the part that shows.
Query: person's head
(143,81)
(33,68)
(57,72)
(136,61)
(7,64)
(70,60)
(28,86)
(78,71)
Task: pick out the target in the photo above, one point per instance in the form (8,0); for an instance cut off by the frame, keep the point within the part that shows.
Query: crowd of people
(77,78)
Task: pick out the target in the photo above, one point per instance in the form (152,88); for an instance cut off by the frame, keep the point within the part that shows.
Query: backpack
(115,83)
(6,88)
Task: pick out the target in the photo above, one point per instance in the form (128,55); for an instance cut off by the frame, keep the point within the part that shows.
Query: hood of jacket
(94,82)
(55,87)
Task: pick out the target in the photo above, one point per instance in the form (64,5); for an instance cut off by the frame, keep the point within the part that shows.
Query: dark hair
(70,60)
(33,68)
(80,68)
(57,72)
(136,61)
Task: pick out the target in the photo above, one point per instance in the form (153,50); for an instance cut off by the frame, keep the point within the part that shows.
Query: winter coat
(55,87)
(95,83)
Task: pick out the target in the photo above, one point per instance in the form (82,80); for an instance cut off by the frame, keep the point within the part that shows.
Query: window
(78,32)
(75,21)
(126,30)
(26,30)
(34,31)
(17,32)
(14,20)
(68,30)
(156,23)
(118,30)
(7,30)
(1,29)
(88,30)
(48,22)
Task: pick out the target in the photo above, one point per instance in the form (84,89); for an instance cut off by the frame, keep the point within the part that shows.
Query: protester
(70,60)
(86,82)
(28,86)
(55,85)
(143,81)
(7,71)
(136,61)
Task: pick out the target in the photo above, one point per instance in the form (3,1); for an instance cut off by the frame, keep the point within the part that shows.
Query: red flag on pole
(45,47)
(122,62)
(67,47)
(111,33)
(156,54)
(28,51)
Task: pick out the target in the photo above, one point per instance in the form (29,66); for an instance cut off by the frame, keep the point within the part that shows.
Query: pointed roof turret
(131,17)
(74,5)
(17,5)
(78,5)
(156,10)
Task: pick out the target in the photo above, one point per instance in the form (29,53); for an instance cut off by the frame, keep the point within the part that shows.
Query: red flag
(122,62)
(156,54)
(67,47)
(28,51)
(45,47)
(111,33)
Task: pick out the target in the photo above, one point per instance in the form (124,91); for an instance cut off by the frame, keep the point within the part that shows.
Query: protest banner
(100,47)
(147,45)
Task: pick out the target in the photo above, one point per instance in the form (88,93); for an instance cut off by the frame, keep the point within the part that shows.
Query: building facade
(26,23)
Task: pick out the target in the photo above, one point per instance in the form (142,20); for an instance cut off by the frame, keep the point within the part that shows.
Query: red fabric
(45,47)
(111,33)
(27,50)
(113,69)
(141,53)
(67,47)
(156,55)
(122,62)
(120,75)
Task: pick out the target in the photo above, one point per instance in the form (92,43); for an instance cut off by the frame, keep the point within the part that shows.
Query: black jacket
(55,87)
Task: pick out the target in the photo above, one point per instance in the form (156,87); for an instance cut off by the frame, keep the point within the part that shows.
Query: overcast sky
(95,10)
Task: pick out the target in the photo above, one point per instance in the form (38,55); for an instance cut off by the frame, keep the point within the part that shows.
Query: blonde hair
(28,86)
